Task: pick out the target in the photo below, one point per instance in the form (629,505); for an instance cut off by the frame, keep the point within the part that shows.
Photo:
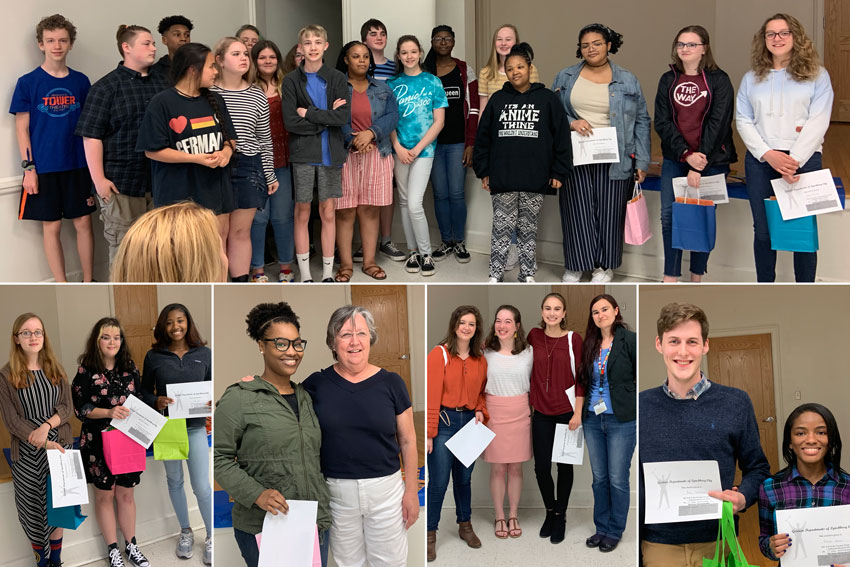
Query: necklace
(549,355)
(187,95)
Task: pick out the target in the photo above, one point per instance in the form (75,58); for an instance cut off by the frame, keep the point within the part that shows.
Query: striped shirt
(508,375)
(249,111)
(385,70)
(784,491)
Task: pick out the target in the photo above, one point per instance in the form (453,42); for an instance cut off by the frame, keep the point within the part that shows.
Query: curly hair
(520,343)
(160,330)
(55,22)
(168,21)
(610,36)
(92,358)
(261,317)
(804,64)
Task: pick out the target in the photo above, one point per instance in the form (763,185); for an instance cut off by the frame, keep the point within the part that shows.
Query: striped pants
(29,478)
(515,211)
(593,218)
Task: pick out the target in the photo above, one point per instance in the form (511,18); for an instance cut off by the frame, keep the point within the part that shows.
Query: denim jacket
(384,115)
(628,115)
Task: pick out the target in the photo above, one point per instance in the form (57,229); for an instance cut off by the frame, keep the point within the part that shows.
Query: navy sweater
(721,426)
(163,367)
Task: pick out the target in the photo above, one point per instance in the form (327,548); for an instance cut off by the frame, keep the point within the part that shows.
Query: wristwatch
(28,164)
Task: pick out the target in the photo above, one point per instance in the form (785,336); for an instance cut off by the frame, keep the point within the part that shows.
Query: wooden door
(837,55)
(746,362)
(578,304)
(136,308)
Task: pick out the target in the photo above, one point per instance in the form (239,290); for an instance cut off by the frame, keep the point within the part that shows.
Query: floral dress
(106,390)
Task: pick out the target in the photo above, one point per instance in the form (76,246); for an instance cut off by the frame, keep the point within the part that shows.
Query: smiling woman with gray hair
(367,420)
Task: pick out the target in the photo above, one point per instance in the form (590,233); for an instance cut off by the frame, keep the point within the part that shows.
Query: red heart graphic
(178,124)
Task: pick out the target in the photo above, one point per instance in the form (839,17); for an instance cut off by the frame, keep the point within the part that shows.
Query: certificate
(468,443)
(820,536)
(571,395)
(191,399)
(568,447)
(67,479)
(599,147)
(288,539)
(677,491)
(711,188)
(143,423)
(813,194)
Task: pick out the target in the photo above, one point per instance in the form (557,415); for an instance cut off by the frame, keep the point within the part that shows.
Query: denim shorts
(249,183)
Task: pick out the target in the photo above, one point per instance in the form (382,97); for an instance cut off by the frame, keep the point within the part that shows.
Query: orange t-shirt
(453,382)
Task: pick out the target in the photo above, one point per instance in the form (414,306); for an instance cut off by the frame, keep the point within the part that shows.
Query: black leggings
(542,439)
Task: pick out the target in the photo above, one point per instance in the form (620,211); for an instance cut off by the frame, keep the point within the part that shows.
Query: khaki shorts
(118,215)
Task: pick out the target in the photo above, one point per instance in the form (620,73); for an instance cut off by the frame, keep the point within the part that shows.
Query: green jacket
(260,444)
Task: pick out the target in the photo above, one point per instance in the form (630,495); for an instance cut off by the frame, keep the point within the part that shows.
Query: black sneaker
(443,251)
(414,263)
(134,555)
(358,256)
(391,251)
(429,268)
(115,559)
(461,255)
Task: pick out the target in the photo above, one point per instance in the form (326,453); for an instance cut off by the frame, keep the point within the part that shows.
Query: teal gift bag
(69,517)
(795,235)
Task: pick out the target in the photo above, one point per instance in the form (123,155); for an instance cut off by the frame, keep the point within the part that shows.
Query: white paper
(813,194)
(288,538)
(67,478)
(571,395)
(819,536)
(468,443)
(191,399)
(568,447)
(143,423)
(599,147)
(677,491)
(711,188)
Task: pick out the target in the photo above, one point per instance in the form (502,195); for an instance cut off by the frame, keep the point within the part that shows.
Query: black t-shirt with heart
(190,125)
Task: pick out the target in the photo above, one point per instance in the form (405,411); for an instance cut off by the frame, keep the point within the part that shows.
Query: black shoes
(608,544)
(594,540)
(546,528)
(559,527)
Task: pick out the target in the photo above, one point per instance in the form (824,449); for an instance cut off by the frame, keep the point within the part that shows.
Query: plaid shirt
(695,392)
(113,113)
(783,491)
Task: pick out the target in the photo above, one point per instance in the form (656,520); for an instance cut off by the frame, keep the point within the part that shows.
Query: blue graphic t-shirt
(54,105)
(317,89)
(417,96)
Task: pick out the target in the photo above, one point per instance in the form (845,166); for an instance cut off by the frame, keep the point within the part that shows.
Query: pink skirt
(510,420)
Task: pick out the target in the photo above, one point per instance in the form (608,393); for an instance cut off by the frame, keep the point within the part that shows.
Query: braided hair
(194,56)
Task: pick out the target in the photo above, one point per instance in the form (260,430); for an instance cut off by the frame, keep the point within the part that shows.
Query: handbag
(795,235)
(726,537)
(172,443)
(121,453)
(694,224)
(637,218)
(69,517)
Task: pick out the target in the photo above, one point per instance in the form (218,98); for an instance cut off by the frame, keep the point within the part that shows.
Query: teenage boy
(374,34)
(109,126)
(176,31)
(688,418)
(47,103)
(315,107)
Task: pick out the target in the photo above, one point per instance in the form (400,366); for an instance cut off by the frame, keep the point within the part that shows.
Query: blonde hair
(220,50)
(804,64)
(491,70)
(175,243)
(313,29)
(20,376)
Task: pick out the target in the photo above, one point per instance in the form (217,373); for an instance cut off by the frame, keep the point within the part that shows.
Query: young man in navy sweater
(689,418)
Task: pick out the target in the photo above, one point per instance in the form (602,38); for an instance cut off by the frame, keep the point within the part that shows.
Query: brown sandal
(344,275)
(375,272)
(503,533)
(516,531)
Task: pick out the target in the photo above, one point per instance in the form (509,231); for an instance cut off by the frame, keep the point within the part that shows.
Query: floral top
(102,390)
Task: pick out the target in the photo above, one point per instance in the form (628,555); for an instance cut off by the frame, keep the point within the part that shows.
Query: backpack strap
(445,356)
(572,358)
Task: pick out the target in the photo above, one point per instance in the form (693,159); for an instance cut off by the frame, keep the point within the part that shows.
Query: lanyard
(602,365)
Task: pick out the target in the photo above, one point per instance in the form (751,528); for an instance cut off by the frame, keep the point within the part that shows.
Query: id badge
(600,407)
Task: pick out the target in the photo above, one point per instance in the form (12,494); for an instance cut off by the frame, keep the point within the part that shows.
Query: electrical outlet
(797,395)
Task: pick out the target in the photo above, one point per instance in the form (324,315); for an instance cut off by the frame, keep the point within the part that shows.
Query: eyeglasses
(784,34)
(596,44)
(38,333)
(362,335)
(283,344)
(443,40)
(680,46)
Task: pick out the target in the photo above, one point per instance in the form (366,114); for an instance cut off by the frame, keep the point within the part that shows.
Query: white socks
(327,267)
(304,266)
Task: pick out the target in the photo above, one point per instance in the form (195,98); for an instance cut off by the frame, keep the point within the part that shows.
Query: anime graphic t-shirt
(418,96)
(189,125)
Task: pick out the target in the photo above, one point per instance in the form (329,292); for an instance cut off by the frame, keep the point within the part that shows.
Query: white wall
(280,21)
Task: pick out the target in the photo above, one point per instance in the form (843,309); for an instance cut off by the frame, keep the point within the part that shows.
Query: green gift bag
(172,443)
(726,538)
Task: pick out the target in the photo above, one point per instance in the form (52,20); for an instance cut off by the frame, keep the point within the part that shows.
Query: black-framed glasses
(443,40)
(784,34)
(283,344)
(38,333)
(680,45)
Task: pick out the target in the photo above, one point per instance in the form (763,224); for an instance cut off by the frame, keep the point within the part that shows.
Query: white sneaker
(208,551)
(602,276)
(529,279)
(571,276)
(115,559)
(513,258)
(493,280)
(185,542)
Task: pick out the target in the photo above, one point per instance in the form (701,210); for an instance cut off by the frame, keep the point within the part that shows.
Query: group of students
(517,384)
(37,403)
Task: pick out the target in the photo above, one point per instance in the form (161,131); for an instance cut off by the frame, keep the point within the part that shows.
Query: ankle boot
(546,528)
(464,530)
(559,527)
(432,545)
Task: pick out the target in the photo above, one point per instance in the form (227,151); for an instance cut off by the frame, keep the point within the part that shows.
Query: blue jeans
(610,445)
(251,553)
(673,256)
(441,463)
(759,176)
(448,179)
(279,210)
(198,464)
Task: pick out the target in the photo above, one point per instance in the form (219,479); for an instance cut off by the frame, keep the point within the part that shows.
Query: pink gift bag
(317,554)
(637,219)
(122,454)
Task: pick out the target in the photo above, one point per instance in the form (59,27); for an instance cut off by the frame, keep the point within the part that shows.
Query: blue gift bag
(795,235)
(694,225)
(69,517)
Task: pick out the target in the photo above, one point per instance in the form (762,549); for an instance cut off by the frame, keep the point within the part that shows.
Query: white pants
(412,181)
(367,524)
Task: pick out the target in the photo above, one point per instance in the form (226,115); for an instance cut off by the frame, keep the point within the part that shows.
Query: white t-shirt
(508,375)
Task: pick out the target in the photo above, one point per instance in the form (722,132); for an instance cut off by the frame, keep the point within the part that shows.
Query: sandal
(375,272)
(500,533)
(516,531)
(344,275)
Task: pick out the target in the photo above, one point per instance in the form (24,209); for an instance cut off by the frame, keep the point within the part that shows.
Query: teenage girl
(421,102)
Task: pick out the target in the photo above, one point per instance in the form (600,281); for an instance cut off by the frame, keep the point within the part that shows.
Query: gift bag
(122,454)
(694,224)
(795,235)
(69,517)
(637,219)
(172,443)
(726,538)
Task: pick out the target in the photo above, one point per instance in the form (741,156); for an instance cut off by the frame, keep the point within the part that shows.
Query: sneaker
(208,551)
(493,280)
(134,555)
(115,559)
(443,251)
(358,256)
(260,278)
(513,258)
(429,268)
(528,279)
(601,275)
(414,262)
(571,276)
(391,251)
(286,277)
(461,255)
(185,542)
